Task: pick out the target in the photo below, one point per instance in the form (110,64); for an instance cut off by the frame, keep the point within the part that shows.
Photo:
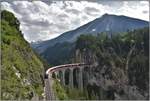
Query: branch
(128,57)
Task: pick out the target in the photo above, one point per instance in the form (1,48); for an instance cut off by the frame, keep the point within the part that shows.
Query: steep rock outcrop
(120,74)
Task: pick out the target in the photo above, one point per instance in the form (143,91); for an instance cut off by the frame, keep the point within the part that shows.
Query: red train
(55,68)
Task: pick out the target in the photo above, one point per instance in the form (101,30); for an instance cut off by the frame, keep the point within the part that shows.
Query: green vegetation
(75,94)
(21,71)
(59,90)
(67,93)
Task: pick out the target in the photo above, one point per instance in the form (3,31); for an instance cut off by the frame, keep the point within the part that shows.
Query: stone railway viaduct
(77,75)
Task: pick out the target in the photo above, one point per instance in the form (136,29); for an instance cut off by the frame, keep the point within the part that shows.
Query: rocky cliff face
(109,82)
(119,75)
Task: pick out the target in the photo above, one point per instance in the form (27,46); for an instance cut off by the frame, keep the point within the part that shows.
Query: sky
(47,19)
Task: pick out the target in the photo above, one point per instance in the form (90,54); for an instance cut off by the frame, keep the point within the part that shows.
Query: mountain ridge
(106,23)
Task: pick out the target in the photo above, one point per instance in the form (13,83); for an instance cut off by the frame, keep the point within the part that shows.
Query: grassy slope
(59,90)
(67,93)
(21,72)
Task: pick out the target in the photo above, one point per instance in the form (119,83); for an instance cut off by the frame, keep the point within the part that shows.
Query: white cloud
(46,20)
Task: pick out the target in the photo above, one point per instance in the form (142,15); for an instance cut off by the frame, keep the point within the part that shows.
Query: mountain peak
(106,14)
(110,23)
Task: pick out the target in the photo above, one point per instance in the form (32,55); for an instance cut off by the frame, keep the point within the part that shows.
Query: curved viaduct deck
(65,66)
(48,81)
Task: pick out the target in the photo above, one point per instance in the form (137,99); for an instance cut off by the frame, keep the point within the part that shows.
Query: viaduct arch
(73,72)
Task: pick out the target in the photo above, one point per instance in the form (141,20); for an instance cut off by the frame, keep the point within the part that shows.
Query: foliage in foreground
(67,93)
(59,90)
(21,71)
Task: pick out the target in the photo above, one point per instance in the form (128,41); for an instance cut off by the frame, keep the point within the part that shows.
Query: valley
(105,59)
